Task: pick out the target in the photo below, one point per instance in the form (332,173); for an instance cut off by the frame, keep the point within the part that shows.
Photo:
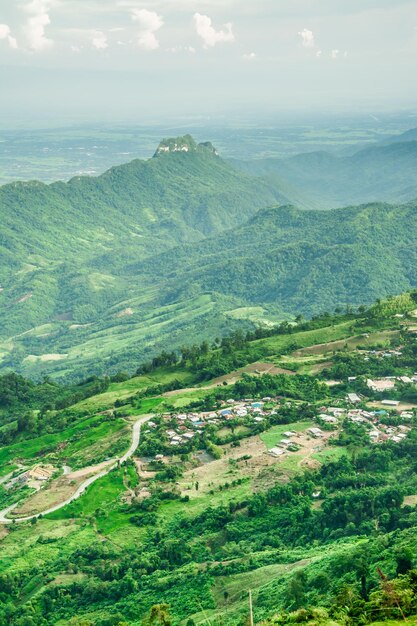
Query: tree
(404,557)
(296,589)
(160,615)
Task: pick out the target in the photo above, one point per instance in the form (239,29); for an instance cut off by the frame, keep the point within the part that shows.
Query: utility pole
(250,608)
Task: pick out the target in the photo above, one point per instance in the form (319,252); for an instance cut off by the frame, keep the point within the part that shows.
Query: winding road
(89,481)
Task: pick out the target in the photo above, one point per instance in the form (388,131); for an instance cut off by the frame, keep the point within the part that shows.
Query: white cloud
(149,23)
(5,33)
(209,34)
(99,40)
(175,49)
(35,25)
(249,56)
(336,54)
(307,38)
(319,53)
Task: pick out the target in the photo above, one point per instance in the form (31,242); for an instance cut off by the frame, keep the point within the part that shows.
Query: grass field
(79,443)
(123,390)
(322,340)
(278,343)
(272,436)
(330,454)
(107,489)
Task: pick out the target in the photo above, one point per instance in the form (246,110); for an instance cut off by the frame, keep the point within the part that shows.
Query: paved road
(89,481)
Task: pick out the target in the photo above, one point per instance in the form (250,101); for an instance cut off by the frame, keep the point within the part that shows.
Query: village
(185,426)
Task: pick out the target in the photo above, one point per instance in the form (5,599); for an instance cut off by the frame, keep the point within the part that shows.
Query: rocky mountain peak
(185,143)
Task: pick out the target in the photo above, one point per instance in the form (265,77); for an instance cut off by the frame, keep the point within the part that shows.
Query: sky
(161,59)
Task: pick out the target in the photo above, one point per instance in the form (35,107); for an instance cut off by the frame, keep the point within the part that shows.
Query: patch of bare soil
(177,392)
(3,532)
(56,491)
(319,367)
(142,473)
(323,348)
(128,311)
(212,475)
(85,472)
(265,368)
(410,501)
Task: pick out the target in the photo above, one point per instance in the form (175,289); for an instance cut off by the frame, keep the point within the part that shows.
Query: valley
(151,255)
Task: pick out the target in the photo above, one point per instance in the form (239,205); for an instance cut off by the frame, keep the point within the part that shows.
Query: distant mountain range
(104,272)
(385,172)
(409,135)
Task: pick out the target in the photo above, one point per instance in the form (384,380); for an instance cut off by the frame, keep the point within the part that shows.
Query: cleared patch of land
(350,343)
(410,500)
(56,491)
(45,357)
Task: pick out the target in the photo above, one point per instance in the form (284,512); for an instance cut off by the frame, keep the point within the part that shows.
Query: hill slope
(64,245)
(100,272)
(272,482)
(303,261)
(322,180)
(283,261)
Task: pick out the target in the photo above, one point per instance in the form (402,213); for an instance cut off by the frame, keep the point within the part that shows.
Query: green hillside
(65,247)
(323,533)
(304,261)
(284,261)
(99,274)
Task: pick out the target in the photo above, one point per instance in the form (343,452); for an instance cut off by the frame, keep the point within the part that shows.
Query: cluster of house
(378,432)
(381,385)
(385,353)
(190,424)
(388,382)
(38,473)
(287,443)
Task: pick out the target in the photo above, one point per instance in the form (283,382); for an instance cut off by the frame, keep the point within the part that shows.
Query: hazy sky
(95,59)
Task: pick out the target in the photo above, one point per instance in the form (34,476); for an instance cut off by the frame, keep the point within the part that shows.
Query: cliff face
(184,144)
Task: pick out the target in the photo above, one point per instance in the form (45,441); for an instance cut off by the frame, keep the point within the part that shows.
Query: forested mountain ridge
(64,245)
(302,260)
(384,172)
(180,197)
(99,271)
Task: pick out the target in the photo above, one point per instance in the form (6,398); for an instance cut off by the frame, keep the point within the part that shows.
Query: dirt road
(89,481)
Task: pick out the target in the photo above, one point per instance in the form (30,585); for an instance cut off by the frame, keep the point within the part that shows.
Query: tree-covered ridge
(384,172)
(154,254)
(65,246)
(305,261)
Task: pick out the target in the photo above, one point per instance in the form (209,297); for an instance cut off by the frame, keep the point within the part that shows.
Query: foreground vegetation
(324,534)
